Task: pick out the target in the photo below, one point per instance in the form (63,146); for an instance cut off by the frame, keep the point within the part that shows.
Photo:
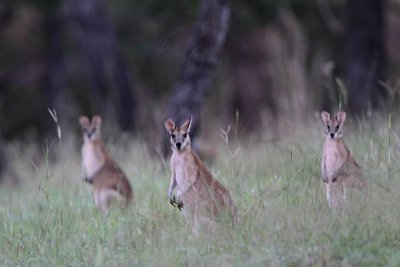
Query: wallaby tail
(129,198)
(125,190)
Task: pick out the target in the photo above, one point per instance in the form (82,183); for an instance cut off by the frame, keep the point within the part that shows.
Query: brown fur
(203,198)
(340,172)
(106,177)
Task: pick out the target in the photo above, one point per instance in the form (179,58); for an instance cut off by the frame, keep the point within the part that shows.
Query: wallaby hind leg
(328,192)
(339,199)
(103,199)
(107,196)
(99,202)
(207,224)
(189,213)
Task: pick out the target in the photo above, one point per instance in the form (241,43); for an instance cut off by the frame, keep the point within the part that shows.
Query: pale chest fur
(92,158)
(332,158)
(185,171)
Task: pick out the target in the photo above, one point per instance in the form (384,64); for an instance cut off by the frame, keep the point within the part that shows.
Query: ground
(284,220)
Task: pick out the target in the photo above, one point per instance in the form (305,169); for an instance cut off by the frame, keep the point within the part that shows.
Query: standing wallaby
(202,197)
(340,172)
(106,177)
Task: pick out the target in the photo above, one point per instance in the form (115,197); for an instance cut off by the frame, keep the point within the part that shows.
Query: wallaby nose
(178,145)
(332,135)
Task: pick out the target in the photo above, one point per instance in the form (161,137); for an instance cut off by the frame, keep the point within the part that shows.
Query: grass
(50,220)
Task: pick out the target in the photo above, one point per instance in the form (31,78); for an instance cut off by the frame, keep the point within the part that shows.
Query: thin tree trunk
(364,52)
(196,72)
(91,27)
(5,167)
(55,82)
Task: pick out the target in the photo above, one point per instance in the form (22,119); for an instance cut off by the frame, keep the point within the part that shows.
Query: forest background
(265,64)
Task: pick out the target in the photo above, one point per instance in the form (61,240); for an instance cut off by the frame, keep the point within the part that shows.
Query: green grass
(50,220)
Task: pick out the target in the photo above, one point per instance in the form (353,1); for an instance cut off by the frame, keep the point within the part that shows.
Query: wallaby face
(179,137)
(91,130)
(333,126)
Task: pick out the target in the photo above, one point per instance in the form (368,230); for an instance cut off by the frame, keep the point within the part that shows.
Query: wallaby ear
(341,117)
(84,121)
(325,116)
(169,125)
(96,120)
(186,125)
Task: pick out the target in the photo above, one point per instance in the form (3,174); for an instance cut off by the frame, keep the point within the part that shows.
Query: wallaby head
(91,130)
(333,126)
(179,137)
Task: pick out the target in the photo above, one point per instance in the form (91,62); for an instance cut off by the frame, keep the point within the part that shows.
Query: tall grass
(283,215)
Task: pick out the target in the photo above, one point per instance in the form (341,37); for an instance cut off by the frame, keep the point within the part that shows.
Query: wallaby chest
(92,158)
(185,170)
(333,159)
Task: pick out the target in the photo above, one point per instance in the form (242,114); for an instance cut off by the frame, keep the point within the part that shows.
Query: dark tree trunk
(196,72)
(5,166)
(252,84)
(92,29)
(55,82)
(365,54)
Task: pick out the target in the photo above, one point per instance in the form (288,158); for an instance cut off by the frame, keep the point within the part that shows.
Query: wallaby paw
(180,205)
(172,200)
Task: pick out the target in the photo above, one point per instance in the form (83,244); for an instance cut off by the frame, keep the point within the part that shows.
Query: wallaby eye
(329,128)
(173,136)
(184,135)
(337,127)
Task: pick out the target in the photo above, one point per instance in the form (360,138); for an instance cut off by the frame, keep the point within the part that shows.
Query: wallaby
(201,196)
(340,172)
(106,177)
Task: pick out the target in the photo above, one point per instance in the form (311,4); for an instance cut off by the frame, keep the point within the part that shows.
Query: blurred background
(263,64)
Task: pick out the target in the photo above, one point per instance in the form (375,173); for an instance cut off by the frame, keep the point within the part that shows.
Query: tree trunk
(364,53)
(196,72)
(91,27)
(55,82)
(5,167)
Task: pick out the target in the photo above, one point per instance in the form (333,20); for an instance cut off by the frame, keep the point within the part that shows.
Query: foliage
(152,35)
